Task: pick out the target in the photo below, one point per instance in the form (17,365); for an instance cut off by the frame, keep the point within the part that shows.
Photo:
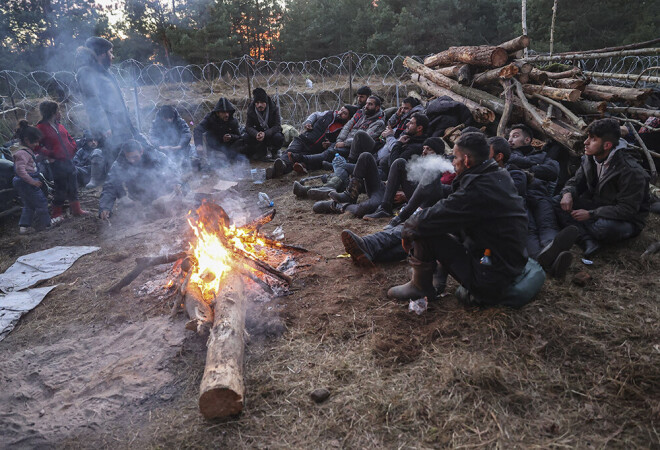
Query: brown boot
(351,194)
(420,285)
(77,210)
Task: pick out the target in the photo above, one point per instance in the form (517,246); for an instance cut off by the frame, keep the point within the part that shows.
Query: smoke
(428,167)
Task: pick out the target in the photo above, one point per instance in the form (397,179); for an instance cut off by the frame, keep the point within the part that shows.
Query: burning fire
(215,247)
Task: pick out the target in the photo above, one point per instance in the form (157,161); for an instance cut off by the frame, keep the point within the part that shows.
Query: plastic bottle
(485,260)
(264,201)
(338,161)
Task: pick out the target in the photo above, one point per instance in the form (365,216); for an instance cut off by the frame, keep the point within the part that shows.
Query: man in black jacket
(170,134)
(486,209)
(608,197)
(263,129)
(321,130)
(219,130)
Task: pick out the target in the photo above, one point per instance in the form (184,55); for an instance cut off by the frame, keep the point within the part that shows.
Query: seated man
(542,223)
(608,197)
(396,125)
(486,209)
(357,136)
(219,131)
(321,130)
(145,176)
(263,129)
(91,164)
(170,134)
(366,174)
(362,94)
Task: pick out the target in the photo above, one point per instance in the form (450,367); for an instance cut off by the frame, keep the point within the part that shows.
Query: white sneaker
(56,220)
(23,230)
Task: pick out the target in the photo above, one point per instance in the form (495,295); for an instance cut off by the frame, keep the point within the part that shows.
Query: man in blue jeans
(608,197)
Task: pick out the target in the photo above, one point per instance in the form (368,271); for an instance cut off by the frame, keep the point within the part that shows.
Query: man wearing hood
(219,131)
(144,175)
(321,130)
(263,129)
(170,134)
(106,111)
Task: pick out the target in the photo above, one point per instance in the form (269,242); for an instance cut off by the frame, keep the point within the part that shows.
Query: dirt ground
(578,367)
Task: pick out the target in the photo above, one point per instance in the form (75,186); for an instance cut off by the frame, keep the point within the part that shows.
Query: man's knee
(399,165)
(611,230)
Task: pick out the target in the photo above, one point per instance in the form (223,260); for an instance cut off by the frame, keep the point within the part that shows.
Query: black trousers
(256,149)
(385,246)
(65,181)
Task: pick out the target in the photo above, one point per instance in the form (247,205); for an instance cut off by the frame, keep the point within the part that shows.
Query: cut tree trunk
(640,112)
(200,313)
(465,74)
(143,263)
(588,107)
(538,76)
(524,67)
(575,71)
(568,83)
(515,44)
(493,75)
(624,76)
(222,387)
(591,55)
(481,114)
(567,95)
(451,71)
(616,94)
(508,107)
(480,56)
(614,49)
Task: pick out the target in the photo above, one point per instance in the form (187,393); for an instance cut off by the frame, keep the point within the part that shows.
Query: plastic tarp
(15,297)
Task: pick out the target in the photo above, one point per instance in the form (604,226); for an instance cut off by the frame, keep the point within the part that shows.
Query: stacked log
(494,81)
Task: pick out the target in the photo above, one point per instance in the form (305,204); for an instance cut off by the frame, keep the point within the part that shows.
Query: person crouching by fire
(143,175)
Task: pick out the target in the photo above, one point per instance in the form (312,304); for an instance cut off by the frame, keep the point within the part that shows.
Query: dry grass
(579,367)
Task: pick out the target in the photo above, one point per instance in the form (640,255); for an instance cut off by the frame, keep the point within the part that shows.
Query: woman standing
(27,182)
(59,147)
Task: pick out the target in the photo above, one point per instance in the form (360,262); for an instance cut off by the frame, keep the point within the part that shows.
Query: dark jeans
(542,225)
(65,181)
(398,177)
(256,149)
(35,205)
(315,162)
(385,246)
(362,143)
(602,230)
(428,192)
(366,172)
(484,283)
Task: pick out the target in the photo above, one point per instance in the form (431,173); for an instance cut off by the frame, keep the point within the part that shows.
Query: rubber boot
(77,210)
(351,194)
(320,193)
(299,190)
(439,280)
(420,285)
(98,173)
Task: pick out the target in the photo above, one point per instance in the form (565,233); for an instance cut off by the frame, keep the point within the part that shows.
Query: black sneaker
(380,213)
(355,247)
(328,207)
(561,243)
(561,265)
(278,168)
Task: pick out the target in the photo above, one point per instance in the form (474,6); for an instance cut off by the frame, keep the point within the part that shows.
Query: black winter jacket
(175,134)
(444,112)
(621,194)
(485,206)
(215,128)
(406,151)
(319,131)
(252,126)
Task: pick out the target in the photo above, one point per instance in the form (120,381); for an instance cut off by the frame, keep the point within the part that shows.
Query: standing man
(263,127)
(106,111)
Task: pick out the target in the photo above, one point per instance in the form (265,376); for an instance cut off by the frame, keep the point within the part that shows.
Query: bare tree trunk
(552,26)
(515,44)
(480,56)
(524,22)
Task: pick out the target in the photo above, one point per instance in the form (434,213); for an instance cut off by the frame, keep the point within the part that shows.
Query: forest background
(43,34)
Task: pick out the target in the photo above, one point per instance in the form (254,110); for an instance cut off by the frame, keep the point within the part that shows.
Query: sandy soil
(579,367)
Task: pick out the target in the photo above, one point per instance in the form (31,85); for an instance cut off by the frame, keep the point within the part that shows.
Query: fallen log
(538,76)
(515,44)
(624,76)
(633,111)
(508,107)
(451,71)
(480,56)
(568,83)
(222,387)
(614,49)
(481,114)
(573,72)
(591,55)
(199,312)
(588,107)
(260,221)
(465,74)
(566,95)
(576,120)
(141,264)
(616,93)
(523,67)
(493,75)
(261,266)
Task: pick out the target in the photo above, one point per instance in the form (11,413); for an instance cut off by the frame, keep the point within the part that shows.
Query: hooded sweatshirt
(175,134)
(215,128)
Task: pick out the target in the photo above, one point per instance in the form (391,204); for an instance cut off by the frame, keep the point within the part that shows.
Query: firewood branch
(141,264)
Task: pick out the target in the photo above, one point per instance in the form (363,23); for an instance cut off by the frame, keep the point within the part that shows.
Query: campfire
(207,279)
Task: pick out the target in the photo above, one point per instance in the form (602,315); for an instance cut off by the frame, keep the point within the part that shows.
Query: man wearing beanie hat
(362,95)
(106,110)
(263,131)
(321,130)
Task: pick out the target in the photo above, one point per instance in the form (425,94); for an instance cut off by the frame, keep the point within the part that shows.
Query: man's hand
(340,145)
(326,144)
(399,111)
(260,136)
(406,244)
(566,202)
(404,138)
(387,132)
(581,215)
(105,215)
(309,126)
(226,137)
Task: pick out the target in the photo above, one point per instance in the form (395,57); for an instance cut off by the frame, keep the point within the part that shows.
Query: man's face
(260,106)
(460,161)
(497,158)
(93,143)
(105,59)
(426,150)
(518,139)
(371,107)
(133,157)
(412,129)
(224,115)
(344,114)
(405,108)
(596,147)
(362,99)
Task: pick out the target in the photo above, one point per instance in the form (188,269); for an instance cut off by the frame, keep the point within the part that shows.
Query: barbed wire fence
(300,88)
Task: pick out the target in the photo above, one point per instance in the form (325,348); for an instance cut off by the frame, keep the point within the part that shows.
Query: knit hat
(436,144)
(259,95)
(98,45)
(364,90)
(352,109)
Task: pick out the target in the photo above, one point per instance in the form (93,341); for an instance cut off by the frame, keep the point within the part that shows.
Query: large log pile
(495,82)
